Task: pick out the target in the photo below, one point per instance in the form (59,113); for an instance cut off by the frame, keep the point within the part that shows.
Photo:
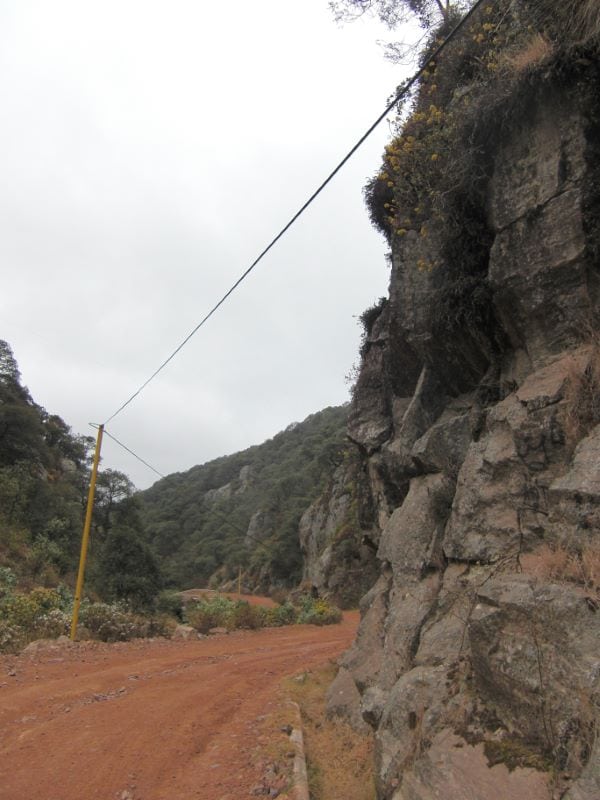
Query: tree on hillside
(429,13)
(8,365)
(199,534)
(127,569)
(21,430)
(59,438)
(432,16)
(44,476)
(112,488)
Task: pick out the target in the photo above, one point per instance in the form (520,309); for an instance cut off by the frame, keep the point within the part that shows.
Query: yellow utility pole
(86,534)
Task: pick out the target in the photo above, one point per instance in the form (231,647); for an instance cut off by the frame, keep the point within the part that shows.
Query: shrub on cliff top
(575,23)
(435,157)
(368,319)
(437,161)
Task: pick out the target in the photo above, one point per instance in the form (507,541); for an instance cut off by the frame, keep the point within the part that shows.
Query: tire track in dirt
(151,720)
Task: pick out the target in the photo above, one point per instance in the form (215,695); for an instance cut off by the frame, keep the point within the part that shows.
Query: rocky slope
(477,661)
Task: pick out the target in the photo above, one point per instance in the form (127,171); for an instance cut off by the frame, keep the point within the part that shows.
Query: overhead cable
(135,455)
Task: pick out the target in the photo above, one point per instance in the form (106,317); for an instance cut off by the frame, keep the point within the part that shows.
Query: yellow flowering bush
(317,611)
(436,157)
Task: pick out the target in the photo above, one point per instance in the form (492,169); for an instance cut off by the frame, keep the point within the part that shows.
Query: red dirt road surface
(150,719)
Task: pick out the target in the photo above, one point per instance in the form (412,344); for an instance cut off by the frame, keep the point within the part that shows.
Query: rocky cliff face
(477,661)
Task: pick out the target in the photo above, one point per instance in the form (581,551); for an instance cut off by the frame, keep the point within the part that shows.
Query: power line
(222,517)
(135,455)
(399,96)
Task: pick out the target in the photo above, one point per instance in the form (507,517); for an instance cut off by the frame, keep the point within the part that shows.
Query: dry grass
(550,563)
(561,563)
(531,55)
(583,398)
(589,566)
(339,760)
(582,18)
(575,22)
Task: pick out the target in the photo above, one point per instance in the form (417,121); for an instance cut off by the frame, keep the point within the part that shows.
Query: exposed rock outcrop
(260,528)
(480,450)
(338,541)
(239,486)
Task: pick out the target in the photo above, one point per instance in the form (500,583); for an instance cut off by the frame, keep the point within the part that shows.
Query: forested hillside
(44,478)
(43,473)
(243,510)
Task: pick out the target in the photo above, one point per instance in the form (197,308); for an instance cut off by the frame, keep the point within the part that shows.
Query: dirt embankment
(148,720)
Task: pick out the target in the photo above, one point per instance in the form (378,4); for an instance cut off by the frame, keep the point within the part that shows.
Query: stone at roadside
(184,632)
(218,631)
(46,644)
(343,701)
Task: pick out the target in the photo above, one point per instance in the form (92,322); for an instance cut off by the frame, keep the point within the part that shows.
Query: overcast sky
(148,152)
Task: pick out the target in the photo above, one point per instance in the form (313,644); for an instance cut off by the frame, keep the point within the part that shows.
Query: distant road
(199,594)
(148,719)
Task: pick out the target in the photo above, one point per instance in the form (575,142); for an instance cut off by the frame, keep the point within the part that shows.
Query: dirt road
(148,720)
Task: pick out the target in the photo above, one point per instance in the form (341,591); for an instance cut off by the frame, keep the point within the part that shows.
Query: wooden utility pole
(86,534)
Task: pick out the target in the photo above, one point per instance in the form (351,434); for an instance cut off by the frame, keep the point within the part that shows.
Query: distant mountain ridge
(243,510)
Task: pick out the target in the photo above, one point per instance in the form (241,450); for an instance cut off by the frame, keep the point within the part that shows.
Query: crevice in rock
(532,214)
(433,608)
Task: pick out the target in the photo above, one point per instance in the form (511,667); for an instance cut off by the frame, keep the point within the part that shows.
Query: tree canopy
(8,365)
(127,569)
